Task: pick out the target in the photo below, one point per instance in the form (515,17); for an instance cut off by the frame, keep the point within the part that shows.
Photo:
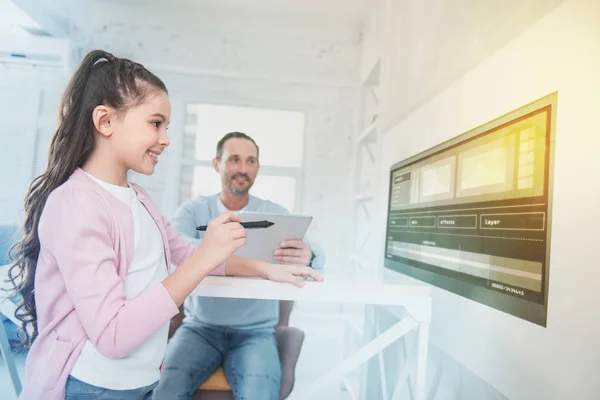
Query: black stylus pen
(246,225)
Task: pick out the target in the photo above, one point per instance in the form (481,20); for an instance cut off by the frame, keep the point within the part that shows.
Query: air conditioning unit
(37,51)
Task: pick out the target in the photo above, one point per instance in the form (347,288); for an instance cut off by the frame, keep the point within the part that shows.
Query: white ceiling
(342,11)
(280,39)
(436,40)
(13,20)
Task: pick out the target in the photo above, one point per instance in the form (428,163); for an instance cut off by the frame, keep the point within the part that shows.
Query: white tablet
(260,243)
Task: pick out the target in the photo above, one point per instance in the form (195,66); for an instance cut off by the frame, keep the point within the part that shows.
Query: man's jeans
(249,357)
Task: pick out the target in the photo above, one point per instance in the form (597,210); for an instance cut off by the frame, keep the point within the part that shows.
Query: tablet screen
(261,243)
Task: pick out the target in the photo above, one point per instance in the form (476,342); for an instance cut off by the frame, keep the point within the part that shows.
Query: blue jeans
(249,358)
(78,390)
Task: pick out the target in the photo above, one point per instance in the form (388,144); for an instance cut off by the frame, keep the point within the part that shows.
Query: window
(279,134)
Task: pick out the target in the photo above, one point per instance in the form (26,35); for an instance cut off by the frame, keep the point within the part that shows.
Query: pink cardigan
(86,238)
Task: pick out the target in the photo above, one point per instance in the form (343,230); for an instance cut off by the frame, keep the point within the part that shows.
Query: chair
(7,309)
(9,359)
(8,235)
(289,341)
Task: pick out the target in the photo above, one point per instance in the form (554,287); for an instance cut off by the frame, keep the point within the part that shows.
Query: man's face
(238,165)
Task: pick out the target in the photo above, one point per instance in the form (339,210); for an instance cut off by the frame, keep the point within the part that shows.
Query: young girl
(92,265)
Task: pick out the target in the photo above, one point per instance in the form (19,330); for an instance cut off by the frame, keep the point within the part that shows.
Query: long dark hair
(100,79)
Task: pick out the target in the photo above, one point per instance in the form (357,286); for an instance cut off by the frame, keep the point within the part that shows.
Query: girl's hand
(224,235)
(294,274)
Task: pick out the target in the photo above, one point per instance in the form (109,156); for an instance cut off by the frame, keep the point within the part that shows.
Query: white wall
(28,108)
(429,44)
(522,360)
(372,38)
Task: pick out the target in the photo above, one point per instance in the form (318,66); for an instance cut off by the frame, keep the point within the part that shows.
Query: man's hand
(294,252)
(294,274)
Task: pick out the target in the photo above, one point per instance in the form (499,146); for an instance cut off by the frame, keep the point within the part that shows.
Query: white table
(416,299)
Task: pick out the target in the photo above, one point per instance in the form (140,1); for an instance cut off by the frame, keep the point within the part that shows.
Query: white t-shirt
(223,209)
(141,367)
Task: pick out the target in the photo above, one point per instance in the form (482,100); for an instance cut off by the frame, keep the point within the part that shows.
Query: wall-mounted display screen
(472,215)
